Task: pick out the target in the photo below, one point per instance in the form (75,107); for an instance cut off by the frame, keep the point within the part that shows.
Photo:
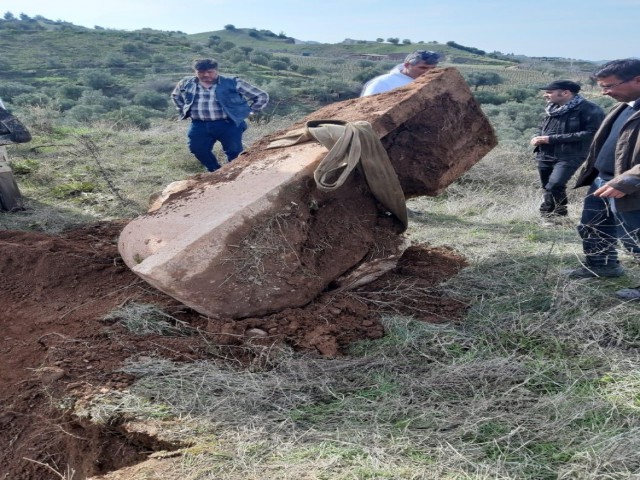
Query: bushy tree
(368,73)
(152,100)
(39,99)
(308,70)
(129,48)
(278,65)
(97,98)
(85,113)
(393,40)
(365,63)
(260,58)
(70,91)
(9,90)
(115,60)
(491,98)
(131,116)
(97,79)
(481,79)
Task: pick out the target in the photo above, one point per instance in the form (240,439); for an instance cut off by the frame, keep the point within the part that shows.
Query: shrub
(132,116)
(72,189)
(279,65)
(72,92)
(9,90)
(308,70)
(491,98)
(85,113)
(152,100)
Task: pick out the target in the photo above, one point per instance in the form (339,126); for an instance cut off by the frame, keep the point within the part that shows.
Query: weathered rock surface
(257,236)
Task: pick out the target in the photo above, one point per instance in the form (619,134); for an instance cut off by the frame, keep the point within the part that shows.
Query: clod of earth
(258,236)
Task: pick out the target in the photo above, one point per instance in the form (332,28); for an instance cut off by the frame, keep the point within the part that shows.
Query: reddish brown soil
(56,348)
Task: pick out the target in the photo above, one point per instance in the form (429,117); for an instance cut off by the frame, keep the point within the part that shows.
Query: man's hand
(606,191)
(535,141)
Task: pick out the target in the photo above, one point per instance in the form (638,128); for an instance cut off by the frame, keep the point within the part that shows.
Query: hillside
(102,71)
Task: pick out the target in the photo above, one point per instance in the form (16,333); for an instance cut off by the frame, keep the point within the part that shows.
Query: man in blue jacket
(218,107)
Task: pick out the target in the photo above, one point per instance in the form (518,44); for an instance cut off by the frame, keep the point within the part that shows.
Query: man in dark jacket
(11,131)
(562,141)
(218,107)
(612,206)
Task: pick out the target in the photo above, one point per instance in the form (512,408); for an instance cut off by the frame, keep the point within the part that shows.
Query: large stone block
(257,236)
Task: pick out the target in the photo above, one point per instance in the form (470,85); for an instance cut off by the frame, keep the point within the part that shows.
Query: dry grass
(539,382)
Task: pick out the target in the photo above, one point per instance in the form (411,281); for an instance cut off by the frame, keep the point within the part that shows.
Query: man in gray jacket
(611,211)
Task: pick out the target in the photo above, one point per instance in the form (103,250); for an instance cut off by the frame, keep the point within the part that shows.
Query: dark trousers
(203,135)
(554,176)
(601,226)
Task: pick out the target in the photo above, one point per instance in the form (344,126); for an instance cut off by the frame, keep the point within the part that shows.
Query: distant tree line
(477,51)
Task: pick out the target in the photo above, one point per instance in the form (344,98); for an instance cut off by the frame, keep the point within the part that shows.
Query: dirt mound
(57,348)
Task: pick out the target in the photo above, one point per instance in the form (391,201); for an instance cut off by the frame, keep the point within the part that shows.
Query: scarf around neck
(555,110)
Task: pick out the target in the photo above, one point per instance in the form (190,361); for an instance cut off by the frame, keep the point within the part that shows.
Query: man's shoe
(629,293)
(415,213)
(593,272)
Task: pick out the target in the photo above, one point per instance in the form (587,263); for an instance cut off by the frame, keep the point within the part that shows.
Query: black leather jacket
(569,134)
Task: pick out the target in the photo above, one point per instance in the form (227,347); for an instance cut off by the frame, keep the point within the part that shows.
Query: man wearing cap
(562,142)
(415,64)
(611,211)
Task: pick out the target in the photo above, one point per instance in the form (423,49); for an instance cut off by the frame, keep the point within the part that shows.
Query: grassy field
(540,380)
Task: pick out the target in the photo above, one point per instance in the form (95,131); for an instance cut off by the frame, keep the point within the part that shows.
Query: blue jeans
(601,226)
(203,135)
(554,176)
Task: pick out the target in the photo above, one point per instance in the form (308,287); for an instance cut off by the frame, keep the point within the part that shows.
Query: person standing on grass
(218,107)
(611,211)
(415,64)
(562,142)
(11,131)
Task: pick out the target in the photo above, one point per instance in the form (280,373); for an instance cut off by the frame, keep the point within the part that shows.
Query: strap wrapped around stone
(351,144)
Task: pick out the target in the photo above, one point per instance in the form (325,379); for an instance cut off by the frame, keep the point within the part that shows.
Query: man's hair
(625,69)
(419,56)
(203,64)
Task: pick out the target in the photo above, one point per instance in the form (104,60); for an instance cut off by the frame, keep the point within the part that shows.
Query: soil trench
(57,349)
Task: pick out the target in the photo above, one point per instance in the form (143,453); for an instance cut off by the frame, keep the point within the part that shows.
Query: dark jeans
(203,135)
(554,176)
(601,226)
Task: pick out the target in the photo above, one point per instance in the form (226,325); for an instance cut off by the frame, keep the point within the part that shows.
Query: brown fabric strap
(351,144)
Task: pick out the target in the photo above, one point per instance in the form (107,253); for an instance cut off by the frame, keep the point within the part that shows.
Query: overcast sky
(580,29)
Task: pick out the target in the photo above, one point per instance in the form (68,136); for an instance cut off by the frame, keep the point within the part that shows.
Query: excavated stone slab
(257,236)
